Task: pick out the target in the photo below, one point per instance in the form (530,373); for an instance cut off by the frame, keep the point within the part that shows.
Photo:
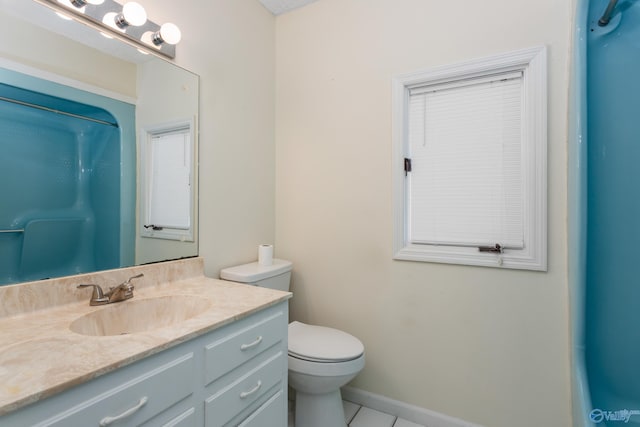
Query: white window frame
(146,137)
(532,63)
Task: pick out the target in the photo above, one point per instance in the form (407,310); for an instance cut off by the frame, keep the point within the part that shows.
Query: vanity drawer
(240,394)
(186,419)
(233,350)
(139,399)
(273,412)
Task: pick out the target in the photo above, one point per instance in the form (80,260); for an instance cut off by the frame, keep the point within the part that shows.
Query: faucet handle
(97,297)
(127,282)
(134,277)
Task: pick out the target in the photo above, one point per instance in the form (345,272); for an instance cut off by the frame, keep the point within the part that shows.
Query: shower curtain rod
(51,110)
(606,16)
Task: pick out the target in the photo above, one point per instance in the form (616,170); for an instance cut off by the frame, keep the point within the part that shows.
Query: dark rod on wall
(606,16)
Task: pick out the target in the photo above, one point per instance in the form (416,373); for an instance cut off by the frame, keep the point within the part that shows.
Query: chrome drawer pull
(244,347)
(110,420)
(246,394)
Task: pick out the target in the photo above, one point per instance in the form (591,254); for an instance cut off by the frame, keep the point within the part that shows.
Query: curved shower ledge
(40,356)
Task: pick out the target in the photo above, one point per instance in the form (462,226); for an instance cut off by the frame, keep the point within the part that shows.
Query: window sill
(520,259)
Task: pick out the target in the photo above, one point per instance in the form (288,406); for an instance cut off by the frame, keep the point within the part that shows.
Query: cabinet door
(273,413)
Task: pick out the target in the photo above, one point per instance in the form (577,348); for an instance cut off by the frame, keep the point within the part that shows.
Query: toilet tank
(275,276)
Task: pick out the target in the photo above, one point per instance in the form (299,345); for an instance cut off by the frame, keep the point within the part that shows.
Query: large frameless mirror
(99,150)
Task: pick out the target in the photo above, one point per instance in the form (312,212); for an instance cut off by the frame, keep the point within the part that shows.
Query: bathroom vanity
(218,357)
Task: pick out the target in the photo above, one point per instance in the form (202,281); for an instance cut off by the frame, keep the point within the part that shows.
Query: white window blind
(465,144)
(169,196)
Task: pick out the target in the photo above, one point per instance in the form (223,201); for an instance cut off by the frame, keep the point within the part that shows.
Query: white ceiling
(278,7)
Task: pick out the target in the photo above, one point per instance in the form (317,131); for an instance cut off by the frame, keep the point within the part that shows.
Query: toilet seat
(326,370)
(320,344)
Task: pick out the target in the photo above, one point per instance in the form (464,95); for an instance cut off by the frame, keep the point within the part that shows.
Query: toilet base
(319,410)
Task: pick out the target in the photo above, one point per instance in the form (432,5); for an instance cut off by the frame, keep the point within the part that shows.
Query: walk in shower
(605,213)
(65,154)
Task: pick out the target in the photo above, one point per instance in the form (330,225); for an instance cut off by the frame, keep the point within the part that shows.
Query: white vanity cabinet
(235,375)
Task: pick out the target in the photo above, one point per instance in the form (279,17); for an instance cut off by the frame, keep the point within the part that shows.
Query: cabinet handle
(244,347)
(246,394)
(110,420)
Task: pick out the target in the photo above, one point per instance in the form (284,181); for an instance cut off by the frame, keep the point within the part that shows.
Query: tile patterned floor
(360,416)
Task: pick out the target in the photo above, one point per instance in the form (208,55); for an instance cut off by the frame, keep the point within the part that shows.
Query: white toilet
(321,360)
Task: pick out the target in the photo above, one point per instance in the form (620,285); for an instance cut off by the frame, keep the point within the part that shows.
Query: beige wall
(487,345)
(231,45)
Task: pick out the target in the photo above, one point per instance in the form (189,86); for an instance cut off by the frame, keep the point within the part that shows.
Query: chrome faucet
(115,294)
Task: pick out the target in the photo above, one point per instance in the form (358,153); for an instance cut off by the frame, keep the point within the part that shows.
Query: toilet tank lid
(253,272)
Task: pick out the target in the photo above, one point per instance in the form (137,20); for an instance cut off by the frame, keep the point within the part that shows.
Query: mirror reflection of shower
(60,174)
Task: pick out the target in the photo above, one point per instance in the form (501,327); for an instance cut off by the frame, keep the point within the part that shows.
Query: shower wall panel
(612,312)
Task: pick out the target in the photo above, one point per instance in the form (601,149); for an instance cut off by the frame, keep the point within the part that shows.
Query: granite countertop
(40,356)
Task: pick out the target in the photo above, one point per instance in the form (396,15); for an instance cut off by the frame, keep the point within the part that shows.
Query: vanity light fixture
(69,3)
(132,14)
(169,33)
(82,3)
(127,22)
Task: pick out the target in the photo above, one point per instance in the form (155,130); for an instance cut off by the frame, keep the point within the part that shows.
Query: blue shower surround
(68,183)
(605,210)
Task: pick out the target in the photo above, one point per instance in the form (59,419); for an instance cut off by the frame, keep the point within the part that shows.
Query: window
(470,163)
(168,194)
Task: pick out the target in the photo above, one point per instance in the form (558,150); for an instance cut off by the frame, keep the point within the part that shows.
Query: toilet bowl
(321,359)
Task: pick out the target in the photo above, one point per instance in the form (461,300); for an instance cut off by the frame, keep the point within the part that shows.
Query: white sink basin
(131,316)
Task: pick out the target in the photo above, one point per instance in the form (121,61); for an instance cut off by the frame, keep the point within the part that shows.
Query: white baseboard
(399,409)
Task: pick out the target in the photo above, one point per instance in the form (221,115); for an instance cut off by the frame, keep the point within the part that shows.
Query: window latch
(153,227)
(497,249)
(407,166)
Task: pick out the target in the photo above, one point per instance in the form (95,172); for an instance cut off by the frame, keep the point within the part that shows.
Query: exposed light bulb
(169,33)
(110,20)
(132,14)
